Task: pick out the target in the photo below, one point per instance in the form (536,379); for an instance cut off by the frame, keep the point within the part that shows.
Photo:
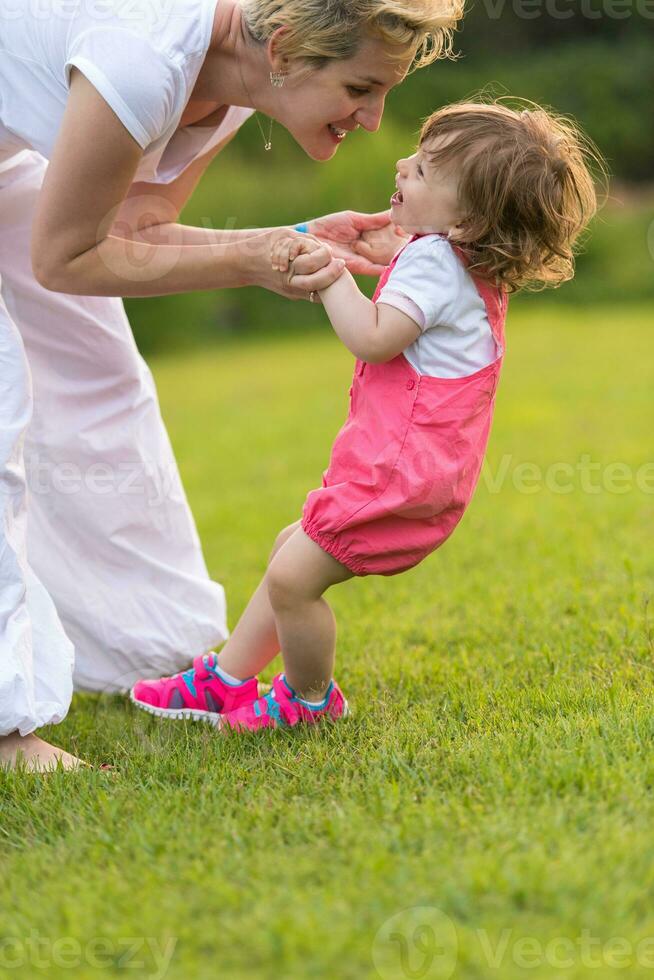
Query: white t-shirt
(432,286)
(142,56)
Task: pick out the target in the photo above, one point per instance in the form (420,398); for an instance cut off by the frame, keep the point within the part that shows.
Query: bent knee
(282,538)
(286,587)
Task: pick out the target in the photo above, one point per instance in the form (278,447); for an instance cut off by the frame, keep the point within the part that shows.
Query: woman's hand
(282,254)
(367,242)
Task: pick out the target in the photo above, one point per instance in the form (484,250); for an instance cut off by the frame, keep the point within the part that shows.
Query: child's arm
(372,332)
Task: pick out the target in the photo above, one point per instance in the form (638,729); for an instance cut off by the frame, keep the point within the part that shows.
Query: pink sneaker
(198,693)
(281,707)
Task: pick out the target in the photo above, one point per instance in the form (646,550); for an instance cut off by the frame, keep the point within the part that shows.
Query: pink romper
(404,466)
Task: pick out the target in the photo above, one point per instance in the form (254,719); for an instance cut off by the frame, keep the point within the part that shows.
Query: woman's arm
(90,174)
(150,213)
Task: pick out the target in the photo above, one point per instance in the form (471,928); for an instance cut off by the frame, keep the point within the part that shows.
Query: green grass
(498,766)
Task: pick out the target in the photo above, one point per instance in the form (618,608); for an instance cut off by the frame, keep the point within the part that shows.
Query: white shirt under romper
(432,286)
(143,57)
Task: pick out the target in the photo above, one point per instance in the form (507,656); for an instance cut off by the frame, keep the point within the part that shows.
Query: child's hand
(306,263)
(286,250)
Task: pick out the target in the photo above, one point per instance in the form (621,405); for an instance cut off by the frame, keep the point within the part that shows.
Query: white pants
(98,550)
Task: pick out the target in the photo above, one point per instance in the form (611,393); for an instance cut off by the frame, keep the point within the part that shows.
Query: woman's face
(320,108)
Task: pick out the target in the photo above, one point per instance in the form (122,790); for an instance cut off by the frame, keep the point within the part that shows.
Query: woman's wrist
(256,264)
(254,259)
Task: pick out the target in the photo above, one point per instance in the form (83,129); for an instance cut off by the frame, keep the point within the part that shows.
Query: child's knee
(282,538)
(285,584)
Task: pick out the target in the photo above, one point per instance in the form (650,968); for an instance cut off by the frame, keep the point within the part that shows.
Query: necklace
(267,142)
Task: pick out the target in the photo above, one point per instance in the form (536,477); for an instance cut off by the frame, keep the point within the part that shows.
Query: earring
(277,78)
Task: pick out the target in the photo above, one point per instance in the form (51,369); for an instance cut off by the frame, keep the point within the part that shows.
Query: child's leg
(205,692)
(296,579)
(254,642)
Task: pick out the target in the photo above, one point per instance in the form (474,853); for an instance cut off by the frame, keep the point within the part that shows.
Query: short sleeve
(424,282)
(143,86)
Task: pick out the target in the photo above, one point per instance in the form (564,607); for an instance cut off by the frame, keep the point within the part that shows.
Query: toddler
(493,199)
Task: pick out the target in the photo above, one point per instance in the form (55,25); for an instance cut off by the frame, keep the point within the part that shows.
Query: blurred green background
(593,59)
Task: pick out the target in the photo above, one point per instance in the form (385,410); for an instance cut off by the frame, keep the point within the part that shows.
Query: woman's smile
(337,132)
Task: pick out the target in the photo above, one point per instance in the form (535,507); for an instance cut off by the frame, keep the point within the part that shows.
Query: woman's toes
(36,755)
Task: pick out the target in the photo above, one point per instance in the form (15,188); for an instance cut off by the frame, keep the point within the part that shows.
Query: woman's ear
(278,62)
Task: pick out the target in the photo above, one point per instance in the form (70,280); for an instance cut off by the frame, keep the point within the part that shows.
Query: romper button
(410,385)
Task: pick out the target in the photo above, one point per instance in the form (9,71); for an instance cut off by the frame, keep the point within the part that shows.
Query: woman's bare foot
(35,754)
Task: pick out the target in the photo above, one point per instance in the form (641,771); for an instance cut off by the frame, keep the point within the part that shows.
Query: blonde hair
(320,30)
(525,184)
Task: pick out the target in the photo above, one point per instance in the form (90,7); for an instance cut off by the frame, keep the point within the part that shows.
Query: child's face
(427,198)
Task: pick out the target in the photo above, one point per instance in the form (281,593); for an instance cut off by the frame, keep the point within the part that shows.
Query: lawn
(487,811)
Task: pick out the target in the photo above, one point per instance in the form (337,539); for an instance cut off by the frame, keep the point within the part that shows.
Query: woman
(99,551)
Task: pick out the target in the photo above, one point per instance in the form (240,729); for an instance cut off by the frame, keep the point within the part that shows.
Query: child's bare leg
(254,642)
(297,577)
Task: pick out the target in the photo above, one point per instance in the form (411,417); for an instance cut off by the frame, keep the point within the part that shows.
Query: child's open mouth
(397,198)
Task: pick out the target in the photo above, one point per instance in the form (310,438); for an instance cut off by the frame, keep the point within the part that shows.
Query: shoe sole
(194,714)
(346,714)
(177,714)
(185,714)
